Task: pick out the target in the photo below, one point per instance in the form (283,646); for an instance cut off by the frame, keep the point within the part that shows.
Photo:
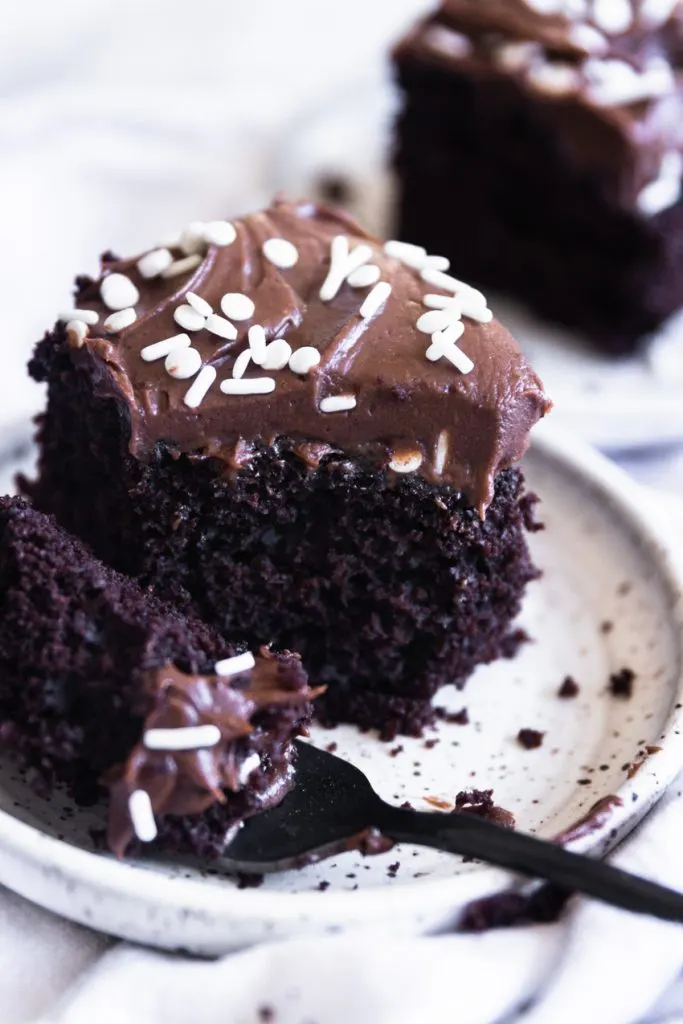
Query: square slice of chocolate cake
(307,438)
(540,148)
(103,687)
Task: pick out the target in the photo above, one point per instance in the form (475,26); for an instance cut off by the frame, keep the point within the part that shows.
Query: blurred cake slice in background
(540,149)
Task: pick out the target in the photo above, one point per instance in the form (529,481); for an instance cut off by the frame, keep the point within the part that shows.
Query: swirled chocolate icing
(609,72)
(190,781)
(458,429)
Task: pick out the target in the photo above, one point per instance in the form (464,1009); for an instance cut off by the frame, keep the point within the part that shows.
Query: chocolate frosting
(189,782)
(628,141)
(406,405)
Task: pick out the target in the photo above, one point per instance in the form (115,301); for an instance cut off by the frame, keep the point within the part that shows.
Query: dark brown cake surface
(92,668)
(539,149)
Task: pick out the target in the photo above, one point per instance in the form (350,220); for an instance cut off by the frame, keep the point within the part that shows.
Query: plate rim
(32,848)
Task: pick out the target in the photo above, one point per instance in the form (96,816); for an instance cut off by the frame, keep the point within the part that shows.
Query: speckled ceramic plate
(609,599)
(344,144)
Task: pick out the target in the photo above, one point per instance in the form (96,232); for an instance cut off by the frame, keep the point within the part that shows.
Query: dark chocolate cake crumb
(392,870)
(430,744)
(510,910)
(569,688)
(407,806)
(621,683)
(606,627)
(249,880)
(331,747)
(395,751)
(453,717)
(650,749)
(266,1014)
(480,802)
(530,739)
(323,886)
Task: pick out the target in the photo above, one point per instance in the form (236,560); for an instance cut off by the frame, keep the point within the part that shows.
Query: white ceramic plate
(615,404)
(602,562)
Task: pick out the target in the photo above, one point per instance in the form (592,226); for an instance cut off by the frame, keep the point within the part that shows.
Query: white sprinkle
(376,300)
(654,13)
(118,292)
(199,388)
(614,83)
(183,363)
(339,252)
(439,301)
(280,253)
(161,349)
(588,39)
(406,462)
(445,40)
(443,345)
(192,240)
(122,318)
(221,327)
(554,79)
(515,56)
(241,363)
(473,307)
(88,316)
(365,276)
(456,356)
(237,306)
(304,359)
(613,16)
(142,816)
(451,284)
(234,666)
(248,386)
(154,263)
(248,767)
(198,303)
(76,332)
(665,190)
(277,355)
(547,6)
(189,318)
(182,266)
(191,737)
(441,453)
(219,233)
(437,320)
(448,336)
(410,255)
(437,262)
(342,264)
(338,403)
(257,343)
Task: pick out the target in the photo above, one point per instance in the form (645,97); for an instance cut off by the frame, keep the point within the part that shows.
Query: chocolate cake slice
(307,438)
(102,686)
(540,149)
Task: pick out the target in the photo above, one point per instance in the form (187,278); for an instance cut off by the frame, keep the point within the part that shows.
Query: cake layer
(102,686)
(541,152)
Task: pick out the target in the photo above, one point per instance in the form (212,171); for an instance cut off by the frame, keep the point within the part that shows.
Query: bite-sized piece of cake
(540,148)
(306,437)
(103,685)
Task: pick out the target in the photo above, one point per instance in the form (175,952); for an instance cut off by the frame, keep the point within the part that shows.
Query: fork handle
(472,836)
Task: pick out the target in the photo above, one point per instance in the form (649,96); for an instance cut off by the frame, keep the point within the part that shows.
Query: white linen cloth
(120,120)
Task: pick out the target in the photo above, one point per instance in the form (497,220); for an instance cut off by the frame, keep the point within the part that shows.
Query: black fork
(333,807)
